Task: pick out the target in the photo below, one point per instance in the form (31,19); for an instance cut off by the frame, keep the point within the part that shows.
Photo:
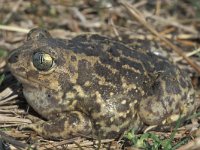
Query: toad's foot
(69,126)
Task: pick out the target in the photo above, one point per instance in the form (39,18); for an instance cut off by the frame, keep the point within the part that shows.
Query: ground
(173,24)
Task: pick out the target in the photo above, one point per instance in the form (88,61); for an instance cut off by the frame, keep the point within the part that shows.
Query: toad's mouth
(29,82)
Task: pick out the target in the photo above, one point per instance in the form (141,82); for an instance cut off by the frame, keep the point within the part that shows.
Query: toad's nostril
(13,58)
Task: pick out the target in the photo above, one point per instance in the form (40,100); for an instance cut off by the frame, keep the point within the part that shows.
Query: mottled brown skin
(99,87)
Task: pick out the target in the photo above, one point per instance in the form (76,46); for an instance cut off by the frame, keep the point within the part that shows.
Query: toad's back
(101,84)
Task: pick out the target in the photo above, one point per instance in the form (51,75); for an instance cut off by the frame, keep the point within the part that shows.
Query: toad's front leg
(65,127)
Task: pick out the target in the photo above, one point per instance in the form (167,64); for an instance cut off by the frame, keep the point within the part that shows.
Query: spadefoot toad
(94,86)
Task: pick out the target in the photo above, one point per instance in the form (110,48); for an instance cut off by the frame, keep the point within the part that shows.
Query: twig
(12,28)
(8,99)
(195,144)
(182,36)
(168,36)
(15,8)
(158,4)
(70,146)
(189,20)
(5,93)
(12,141)
(188,54)
(57,144)
(139,17)
(114,29)
(6,125)
(5,119)
(90,143)
(140,3)
(171,22)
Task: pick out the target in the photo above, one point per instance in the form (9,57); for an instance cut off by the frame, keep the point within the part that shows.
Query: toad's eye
(42,61)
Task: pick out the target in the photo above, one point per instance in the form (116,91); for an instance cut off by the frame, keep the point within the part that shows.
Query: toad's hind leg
(71,125)
(170,95)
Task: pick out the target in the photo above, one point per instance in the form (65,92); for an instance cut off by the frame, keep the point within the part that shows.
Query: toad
(95,86)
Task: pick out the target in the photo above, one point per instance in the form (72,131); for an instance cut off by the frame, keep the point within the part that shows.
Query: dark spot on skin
(14,56)
(106,59)
(46,81)
(112,50)
(136,54)
(158,90)
(112,134)
(133,77)
(21,69)
(136,65)
(52,98)
(73,58)
(96,126)
(72,69)
(89,48)
(60,61)
(99,38)
(135,95)
(122,119)
(32,73)
(107,74)
(123,107)
(97,107)
(172,87)
(170,102)
(177,106)
(90,105)
(85,71)
(64,81)
(54,107)
(105,91)
(136,106)
(55,127)
(184,97)
(53,114)
(182,82)
(73,119)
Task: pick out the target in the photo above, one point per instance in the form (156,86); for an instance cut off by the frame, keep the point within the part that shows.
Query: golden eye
(42,61)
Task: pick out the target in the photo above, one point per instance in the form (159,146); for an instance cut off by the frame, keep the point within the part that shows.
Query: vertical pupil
(41,59)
